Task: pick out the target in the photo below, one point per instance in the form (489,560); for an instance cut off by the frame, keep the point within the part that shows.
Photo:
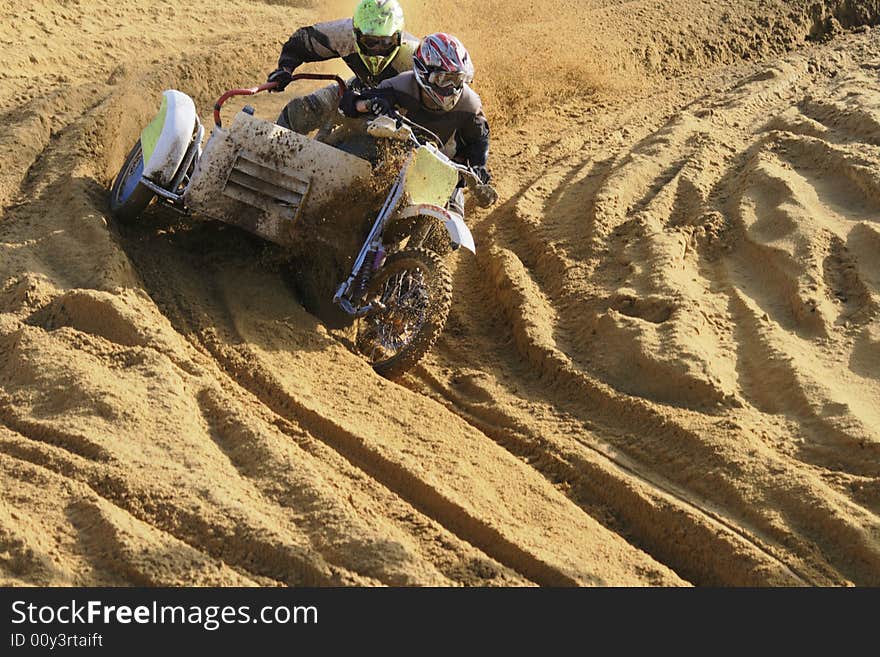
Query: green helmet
(377,28)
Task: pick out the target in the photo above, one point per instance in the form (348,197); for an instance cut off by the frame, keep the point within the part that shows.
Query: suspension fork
(371,253)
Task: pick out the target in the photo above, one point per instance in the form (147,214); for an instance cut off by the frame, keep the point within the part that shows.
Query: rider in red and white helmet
(442,67)
(436,95)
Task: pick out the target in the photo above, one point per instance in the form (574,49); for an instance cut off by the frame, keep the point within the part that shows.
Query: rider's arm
(316,43)
(355,103)
(472,140)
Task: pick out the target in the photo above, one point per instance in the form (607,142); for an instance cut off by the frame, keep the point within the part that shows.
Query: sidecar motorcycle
(266,179)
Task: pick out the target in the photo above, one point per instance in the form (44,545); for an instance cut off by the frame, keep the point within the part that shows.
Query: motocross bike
(266,179)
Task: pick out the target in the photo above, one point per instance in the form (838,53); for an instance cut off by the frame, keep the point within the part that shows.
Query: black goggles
(377,45)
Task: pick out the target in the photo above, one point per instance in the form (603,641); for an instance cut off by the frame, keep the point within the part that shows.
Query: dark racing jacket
(323,41)
(465,123)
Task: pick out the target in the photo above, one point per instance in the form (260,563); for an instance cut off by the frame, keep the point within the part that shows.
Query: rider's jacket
(465,123)
(333,39)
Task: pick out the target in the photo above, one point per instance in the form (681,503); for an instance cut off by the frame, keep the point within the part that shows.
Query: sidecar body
(264,178)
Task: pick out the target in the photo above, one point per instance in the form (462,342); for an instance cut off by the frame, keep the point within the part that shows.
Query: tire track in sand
(653,434)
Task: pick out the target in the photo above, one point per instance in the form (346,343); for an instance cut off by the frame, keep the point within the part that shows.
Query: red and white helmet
(442,67)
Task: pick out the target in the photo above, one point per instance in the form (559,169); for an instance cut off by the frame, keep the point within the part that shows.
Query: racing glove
(381,105)
(377,105)
(281,77)
(484,194)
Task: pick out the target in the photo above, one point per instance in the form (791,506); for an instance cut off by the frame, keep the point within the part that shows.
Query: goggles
(452,80)
(371,44)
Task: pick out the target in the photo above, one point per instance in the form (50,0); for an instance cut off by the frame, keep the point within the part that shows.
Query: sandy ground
(662,367)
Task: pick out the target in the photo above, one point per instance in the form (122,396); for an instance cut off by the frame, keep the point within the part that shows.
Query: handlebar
(466,171)
(412,124)
(271,85)
(484,193)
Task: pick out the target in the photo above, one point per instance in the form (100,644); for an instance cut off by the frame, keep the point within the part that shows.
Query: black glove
(381,105)
(281,77)
(485,195)
(377,105)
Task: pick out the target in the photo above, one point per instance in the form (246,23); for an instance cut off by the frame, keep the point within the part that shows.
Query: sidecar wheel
(415,286)
(129,197)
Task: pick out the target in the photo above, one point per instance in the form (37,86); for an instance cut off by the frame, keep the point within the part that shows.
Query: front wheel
(129,197)
(415,288)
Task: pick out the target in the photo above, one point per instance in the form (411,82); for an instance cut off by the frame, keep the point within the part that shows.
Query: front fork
(350,294)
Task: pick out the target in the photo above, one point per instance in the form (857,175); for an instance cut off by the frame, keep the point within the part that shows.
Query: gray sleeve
(404,60)
(317,43)
(472,138)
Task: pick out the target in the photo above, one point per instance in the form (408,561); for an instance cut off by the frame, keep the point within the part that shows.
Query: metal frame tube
(191,154)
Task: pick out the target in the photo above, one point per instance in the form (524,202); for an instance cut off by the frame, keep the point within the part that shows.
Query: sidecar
(263,178)
(269,180)
(253,174)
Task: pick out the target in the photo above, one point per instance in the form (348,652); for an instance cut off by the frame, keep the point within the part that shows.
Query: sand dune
(662,367)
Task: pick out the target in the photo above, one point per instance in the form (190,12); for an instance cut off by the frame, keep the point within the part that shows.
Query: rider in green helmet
(372,43)
(378,30)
